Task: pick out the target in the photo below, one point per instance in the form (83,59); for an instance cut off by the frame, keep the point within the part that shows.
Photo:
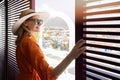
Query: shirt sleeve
(38,61)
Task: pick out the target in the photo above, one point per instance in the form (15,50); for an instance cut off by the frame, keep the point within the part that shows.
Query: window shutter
(101,31)
(14,9)
(2,40)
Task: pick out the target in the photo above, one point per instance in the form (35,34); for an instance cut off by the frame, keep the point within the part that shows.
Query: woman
(30,58)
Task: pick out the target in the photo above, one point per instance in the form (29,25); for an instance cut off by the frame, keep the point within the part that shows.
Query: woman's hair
(22,29)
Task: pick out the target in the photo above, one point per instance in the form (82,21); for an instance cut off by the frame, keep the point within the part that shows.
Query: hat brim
(43,15)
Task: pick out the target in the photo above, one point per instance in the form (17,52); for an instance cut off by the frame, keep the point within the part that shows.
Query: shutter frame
(99,33)
(2,41)
(14,8)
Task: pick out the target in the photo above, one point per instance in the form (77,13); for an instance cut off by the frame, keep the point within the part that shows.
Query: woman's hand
(78,49)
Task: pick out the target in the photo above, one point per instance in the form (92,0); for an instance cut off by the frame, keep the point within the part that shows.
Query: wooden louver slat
(14,9)
(93,41)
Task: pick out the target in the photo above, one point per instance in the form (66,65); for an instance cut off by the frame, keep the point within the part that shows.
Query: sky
(64,6)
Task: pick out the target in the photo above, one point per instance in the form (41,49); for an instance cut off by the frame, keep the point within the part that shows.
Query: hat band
(27,14)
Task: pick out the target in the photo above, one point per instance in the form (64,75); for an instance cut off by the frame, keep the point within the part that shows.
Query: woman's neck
(33,33)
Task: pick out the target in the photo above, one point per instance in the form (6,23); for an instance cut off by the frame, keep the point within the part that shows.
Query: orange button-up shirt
(31,61)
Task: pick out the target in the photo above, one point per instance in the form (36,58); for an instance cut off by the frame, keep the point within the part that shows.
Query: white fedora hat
(27,14)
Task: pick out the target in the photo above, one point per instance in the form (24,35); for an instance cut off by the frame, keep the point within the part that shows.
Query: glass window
(56,37)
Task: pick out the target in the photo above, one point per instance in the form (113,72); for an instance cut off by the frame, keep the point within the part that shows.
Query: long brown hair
(22,29)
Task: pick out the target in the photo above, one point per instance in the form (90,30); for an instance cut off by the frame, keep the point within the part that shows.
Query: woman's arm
(76,51)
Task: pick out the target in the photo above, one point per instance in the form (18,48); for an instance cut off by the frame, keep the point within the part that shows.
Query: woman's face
(33,23)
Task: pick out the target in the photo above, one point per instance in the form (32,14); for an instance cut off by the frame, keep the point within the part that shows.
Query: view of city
(57,39)
(55,43)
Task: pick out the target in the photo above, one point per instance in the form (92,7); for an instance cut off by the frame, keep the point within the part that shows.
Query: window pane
(57,34)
